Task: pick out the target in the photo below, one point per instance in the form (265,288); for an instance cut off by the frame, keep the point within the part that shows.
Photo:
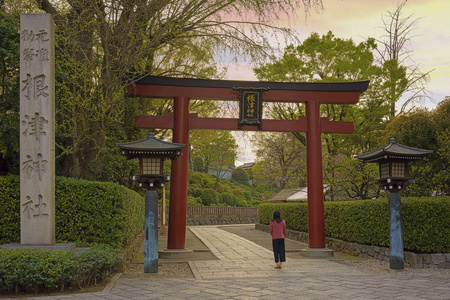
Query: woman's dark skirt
(279,250)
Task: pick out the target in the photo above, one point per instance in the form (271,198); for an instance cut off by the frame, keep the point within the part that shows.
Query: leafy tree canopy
(99,43)
(240,175)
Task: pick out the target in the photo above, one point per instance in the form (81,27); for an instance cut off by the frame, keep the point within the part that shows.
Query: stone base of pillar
(176,253)
(316,252)
(396,263)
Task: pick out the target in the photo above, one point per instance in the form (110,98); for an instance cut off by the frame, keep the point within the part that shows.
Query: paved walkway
(245,270)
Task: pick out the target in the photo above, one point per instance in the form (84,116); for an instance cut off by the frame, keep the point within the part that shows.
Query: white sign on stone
(37,130)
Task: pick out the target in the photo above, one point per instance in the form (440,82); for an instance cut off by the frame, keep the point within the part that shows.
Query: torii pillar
(312,94)
(178,188)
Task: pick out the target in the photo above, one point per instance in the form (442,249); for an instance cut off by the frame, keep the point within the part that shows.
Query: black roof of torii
(356,86)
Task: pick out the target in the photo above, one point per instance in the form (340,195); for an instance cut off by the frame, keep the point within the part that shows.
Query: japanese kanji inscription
(37,138)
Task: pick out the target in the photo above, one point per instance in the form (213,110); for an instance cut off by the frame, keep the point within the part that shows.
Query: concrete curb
(195,271)
(112,283)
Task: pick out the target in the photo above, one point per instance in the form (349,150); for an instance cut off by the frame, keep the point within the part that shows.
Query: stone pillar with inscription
(37,130)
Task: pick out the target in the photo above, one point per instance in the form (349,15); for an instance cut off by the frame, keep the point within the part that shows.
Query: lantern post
(393,165)
(151,153)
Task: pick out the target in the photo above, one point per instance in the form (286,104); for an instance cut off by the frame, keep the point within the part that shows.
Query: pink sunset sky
(359,19)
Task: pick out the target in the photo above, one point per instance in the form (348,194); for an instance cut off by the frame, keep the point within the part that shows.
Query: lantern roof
(393,150)
(151,146)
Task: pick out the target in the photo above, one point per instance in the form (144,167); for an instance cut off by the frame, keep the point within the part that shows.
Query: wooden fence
(219,211)
(222,211)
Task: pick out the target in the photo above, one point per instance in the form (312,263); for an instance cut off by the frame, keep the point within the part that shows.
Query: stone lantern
(393,163)
(151,153)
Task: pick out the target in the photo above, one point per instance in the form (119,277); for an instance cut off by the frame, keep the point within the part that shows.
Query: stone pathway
(245,270)
(241,258)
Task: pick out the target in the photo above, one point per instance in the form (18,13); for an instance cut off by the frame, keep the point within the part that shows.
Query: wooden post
(178,187)
(316,220)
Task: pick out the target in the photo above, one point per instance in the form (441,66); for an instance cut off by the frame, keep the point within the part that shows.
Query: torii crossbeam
(312,94)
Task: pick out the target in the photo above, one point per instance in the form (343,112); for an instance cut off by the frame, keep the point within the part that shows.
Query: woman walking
(278,232)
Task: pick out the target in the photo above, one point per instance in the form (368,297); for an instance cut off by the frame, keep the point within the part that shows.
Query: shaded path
(245,270)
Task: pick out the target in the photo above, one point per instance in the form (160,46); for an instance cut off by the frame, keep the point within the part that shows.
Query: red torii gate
(181,121)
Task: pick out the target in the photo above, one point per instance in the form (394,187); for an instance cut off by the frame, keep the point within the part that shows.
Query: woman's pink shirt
(278,230)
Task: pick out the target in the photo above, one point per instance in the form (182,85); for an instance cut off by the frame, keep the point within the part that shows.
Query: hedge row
(425,221)
(86,212)
(40,270)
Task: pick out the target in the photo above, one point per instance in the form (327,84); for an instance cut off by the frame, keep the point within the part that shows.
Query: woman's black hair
(277,216)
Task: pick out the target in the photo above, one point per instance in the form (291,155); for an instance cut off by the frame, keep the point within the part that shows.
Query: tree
(240,175)
(425,129)
(209,197)
(327,58)
(9,92)
(217,149)
(402,75)
(102,42)
(348,178)
(280,158)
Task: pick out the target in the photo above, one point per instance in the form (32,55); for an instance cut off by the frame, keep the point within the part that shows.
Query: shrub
(295,214)
(194,190)
(209,197)
(247,196)
(229,199)
(424,221)
(261,189)
(86,212)
(25,270)
(220,188)
(210,185)
(9,209)
(194,201)
(242,203)
(240,175)
(207,179)
(239,194)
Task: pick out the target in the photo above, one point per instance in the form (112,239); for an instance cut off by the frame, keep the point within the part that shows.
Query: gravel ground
(169,268)
(180,269)
(382,267)
(165,270)
(364,264)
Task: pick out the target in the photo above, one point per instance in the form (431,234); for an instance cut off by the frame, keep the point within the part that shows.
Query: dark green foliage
(209,197)
(9,92)
(425,221)
(9,209)
(242,203)
(39,270)
(191,201)
(246,195)
(364,222)
(240,175)
(198,164)
(229,199)
(196,178)
(86,212)
(239,194)
(295,214)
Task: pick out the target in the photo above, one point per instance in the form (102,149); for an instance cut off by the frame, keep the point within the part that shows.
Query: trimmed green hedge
(425,221)
(41,270)
(86,212)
